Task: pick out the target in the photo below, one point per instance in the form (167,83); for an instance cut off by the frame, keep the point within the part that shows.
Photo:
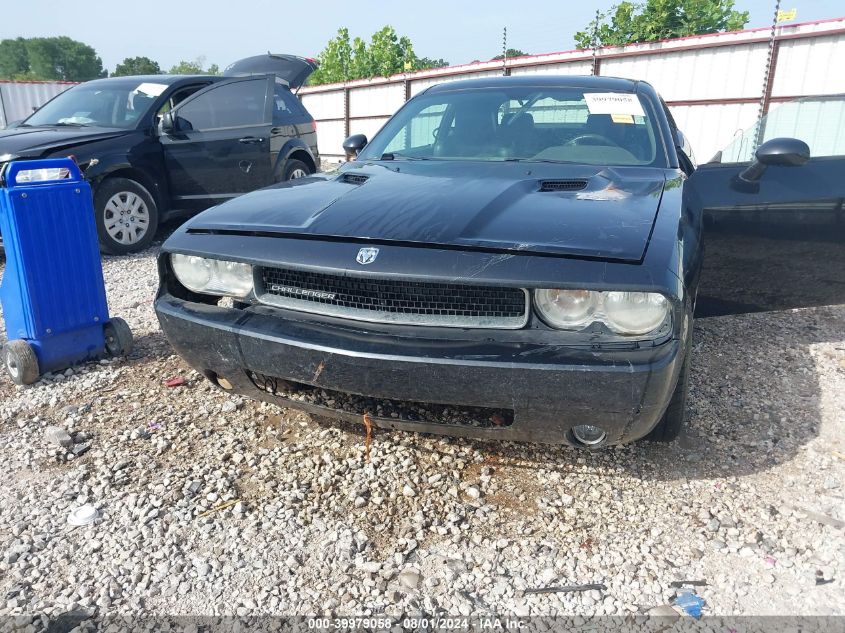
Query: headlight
(629,313)
(566,309)
(635,312)
(212,276)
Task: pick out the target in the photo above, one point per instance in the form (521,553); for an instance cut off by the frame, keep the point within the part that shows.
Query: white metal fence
(19,98)
(712,83)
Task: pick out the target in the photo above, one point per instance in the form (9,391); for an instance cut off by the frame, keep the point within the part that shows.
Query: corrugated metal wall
(19,98)
(712,83)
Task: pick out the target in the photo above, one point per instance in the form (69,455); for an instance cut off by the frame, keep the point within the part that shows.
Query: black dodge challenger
(512,258)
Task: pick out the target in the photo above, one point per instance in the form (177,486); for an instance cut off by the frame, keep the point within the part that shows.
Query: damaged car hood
(35,141)
(553,209)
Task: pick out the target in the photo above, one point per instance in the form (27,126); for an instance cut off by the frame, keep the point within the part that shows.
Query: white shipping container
(18,99)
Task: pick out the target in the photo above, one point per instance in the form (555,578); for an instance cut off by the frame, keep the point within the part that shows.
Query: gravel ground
(750,501)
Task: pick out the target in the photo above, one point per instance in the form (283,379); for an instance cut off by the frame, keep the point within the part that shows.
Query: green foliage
(136,66)
(427,62)
(512,52)
(14,59)
(661,19)
(386,54)
(49,59)
(195,67)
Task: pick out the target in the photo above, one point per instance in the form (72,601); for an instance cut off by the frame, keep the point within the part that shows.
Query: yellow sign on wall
(786,16)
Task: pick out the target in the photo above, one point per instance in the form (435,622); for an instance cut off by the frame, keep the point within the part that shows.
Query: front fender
(105,166)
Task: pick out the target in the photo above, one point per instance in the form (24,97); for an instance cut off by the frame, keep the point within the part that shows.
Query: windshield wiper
(539,160)
(67,124)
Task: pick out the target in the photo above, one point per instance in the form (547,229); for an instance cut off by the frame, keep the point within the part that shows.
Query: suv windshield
(101,103)
(526,123)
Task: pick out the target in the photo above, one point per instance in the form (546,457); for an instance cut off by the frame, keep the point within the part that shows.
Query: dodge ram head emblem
(367,256)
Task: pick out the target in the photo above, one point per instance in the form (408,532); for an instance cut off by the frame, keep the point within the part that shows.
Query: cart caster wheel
(118,337)
(21,362)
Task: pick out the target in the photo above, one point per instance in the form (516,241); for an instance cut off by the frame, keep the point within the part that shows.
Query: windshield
(526,123)
(106,104)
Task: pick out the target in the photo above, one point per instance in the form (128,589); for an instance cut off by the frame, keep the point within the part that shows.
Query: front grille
(395,301)
(569,184)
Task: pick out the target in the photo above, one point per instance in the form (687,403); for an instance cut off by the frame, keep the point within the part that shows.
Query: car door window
(238,104)
(178,97)
(286,107)
(819,122)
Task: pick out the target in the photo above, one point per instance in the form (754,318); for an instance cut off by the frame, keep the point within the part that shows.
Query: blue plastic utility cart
(52,294)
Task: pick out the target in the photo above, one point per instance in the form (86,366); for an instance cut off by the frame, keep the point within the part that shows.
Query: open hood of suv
(294,70)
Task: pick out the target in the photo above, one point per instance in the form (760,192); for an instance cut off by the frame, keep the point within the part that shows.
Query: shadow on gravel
(151,344)
(754,402)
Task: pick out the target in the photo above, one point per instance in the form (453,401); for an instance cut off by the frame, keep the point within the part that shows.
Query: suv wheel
(296,169)
(126,215)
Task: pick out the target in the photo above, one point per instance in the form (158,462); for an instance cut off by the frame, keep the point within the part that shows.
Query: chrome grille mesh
(393,300)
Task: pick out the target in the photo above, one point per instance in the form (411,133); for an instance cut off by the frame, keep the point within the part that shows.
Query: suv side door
(219,144)
(775,240)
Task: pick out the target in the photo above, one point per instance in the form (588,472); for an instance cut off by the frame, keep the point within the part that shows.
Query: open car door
(216,143)
(774,227)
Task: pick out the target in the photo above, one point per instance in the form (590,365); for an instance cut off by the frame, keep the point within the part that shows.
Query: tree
(14,59)
(386,54)
(49,59)
(661,19)
(512,52)
(427,62)
(389,54)
(194,67)
(136,66)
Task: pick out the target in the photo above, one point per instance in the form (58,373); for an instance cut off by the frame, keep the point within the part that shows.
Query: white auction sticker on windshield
(151,89)
(613,103)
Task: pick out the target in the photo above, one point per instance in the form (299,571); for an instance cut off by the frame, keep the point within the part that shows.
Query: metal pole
(505,51)
(764,98)
(3,120)
(595,42)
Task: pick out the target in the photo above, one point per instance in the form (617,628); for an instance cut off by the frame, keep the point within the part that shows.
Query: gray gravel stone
(58,436)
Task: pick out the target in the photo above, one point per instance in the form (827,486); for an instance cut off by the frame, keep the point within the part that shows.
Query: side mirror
(353,145)
(785,152)
(168,124)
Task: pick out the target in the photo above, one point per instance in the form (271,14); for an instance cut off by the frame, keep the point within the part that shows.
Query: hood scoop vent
(354,179)
(568,184)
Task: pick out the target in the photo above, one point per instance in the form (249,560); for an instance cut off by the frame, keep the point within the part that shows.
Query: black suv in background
(160,146)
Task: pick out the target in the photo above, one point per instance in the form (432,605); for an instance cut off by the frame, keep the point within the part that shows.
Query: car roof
(167,80)
(550,81)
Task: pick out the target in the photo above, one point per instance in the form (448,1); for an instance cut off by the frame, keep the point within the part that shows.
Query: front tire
(295,169)
(126,216)
(670,425)
(21,362)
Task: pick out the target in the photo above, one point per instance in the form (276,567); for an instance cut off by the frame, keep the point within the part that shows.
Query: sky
(223,31)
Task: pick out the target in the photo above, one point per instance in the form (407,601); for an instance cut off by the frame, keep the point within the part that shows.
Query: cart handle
(14,168)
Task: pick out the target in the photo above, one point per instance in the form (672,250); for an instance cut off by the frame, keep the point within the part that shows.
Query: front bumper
(548,388)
